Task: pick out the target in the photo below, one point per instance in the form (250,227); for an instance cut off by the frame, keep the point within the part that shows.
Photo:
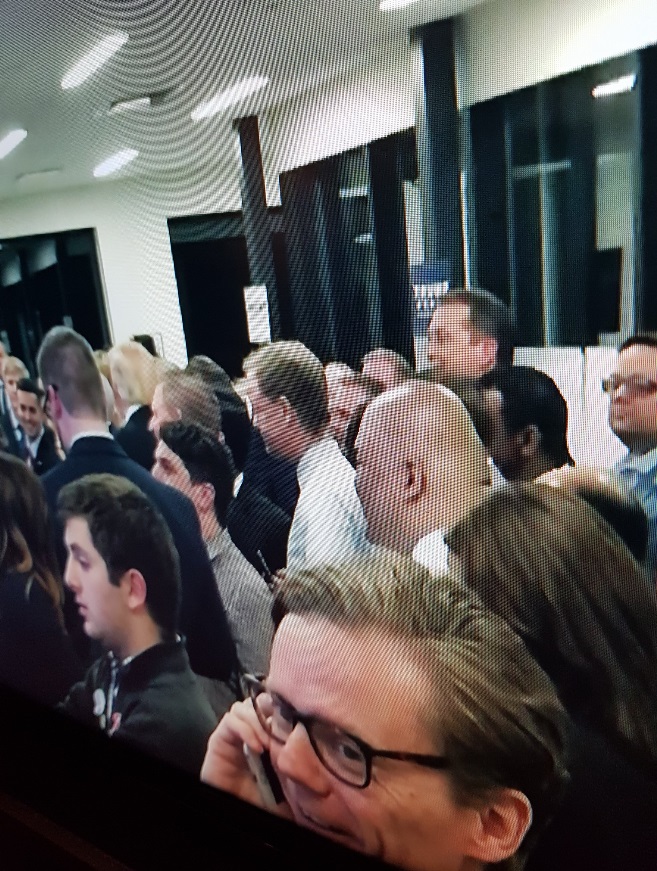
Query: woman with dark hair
(36,656)
(563,579)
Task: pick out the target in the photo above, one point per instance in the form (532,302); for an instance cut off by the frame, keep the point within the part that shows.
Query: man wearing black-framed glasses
(632,389)
(390,726)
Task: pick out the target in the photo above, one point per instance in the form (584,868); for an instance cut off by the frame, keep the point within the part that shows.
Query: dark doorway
(46,281)
(211,263)
(211,276)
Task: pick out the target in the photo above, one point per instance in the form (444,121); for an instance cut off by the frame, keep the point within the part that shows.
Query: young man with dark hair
(632,389)
(39,447)
(194,462)
(470,333)
(288,391)
(526,423)
(123,570)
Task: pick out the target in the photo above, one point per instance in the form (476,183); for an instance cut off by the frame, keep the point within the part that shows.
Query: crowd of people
(385,604)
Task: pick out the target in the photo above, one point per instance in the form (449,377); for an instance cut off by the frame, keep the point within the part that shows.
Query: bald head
(421,466)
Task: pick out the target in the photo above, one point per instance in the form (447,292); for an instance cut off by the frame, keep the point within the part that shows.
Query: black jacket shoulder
(158,705)
(137,440)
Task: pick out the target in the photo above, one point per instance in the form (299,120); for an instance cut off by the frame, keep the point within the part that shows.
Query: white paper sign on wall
(257,314)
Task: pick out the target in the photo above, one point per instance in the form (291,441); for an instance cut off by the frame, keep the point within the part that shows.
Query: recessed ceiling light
(133,105)
(10,141)
(229,97)
(389,5)
(94,59)
(115,162)
(622,85)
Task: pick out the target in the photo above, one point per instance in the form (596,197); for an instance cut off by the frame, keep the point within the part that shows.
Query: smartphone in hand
(265,776)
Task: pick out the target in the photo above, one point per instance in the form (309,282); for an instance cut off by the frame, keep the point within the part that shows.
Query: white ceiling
(194,47)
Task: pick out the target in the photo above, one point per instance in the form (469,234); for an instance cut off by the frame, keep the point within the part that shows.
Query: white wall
(504,45)
(130,220)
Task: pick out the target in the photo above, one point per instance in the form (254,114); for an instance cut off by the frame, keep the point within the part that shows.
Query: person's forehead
(28,399)
(638,360)
(343,674)
(77,532)
(452,315)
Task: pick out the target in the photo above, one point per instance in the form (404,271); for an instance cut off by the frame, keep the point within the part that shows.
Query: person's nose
(70,578)
(298,761)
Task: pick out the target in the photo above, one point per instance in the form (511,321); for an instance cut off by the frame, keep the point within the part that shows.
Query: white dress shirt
(328,524)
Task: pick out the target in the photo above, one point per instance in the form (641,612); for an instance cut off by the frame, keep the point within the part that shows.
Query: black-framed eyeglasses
(347,757)
(634,385)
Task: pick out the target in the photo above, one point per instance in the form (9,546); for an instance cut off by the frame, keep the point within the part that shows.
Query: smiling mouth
(323,828)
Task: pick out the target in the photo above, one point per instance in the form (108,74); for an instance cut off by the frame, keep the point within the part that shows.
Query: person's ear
(529,441)
(287,408)
(135,588)
(205,497)
(487,351)
(54,403)
(500,827)
(415,480)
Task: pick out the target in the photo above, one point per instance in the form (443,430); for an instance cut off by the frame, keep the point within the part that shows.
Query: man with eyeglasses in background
(633,417)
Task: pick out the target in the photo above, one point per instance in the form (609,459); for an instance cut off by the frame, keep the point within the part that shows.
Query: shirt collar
(94,433)
(319,454)
(131,410)
(642,463)
(217,545)
(33,444)
(431,551)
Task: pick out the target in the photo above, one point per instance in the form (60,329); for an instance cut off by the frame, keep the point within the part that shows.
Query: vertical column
(257,229)
(438,149)
(567,177)
(310,284)
(490,227)
(389,220)
(646,249)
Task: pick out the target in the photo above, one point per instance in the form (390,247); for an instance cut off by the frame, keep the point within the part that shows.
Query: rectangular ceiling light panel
(10,141)
(94,59)
(229,97)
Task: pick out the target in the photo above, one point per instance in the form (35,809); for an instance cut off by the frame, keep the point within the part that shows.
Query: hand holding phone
(265,776)
(225,765)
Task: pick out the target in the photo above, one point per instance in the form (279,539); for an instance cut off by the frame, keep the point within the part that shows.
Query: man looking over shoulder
(287,388)
(470,333)
(123,570)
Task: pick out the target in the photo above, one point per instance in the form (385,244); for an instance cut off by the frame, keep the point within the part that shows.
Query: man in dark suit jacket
(38,448)
(77,405)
